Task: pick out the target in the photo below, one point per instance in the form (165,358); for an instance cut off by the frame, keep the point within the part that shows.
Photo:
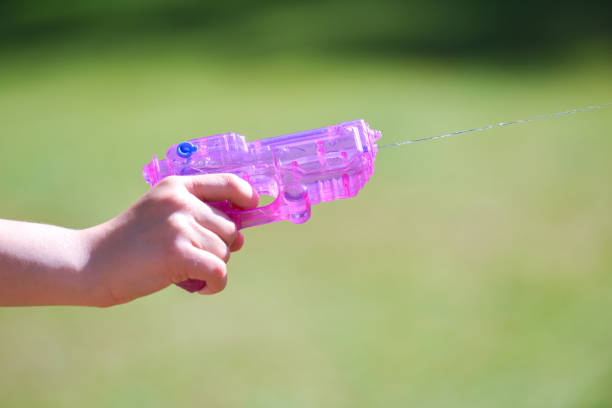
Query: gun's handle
(291,203)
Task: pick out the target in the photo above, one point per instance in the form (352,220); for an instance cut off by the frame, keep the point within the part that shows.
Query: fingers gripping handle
(291,203)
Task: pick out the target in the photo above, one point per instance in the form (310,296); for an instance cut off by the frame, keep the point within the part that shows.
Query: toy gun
(297,170)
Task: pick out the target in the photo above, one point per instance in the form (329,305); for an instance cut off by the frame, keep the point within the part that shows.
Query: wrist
(93,277)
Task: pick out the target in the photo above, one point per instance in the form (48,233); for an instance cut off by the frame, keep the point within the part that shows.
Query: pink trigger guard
(290,203)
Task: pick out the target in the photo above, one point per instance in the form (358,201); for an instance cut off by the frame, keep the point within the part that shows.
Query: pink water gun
(297,170)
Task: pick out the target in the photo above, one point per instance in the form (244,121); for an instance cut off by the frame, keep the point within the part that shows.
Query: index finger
(221,187)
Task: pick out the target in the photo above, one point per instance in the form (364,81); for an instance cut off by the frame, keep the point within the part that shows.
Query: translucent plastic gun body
(298,169)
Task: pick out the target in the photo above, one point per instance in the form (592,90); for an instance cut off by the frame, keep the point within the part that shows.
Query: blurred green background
(471,271)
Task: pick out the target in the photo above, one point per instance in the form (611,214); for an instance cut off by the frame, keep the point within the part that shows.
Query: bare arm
(41,264)
(168,236)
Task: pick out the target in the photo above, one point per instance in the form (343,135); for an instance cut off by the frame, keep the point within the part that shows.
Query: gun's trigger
(291,203)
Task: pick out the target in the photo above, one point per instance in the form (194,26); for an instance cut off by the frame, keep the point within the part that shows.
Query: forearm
(43,265)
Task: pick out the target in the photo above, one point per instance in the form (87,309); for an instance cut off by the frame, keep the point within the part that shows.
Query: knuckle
(177,224)
(170,181)
(218,272)
(216,246)
(175,251)
(224,226)
(225,253)
(172,199)
(231,233)
(178,268)
(230,181)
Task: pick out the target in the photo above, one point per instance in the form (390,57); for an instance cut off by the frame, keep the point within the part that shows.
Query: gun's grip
(291,203)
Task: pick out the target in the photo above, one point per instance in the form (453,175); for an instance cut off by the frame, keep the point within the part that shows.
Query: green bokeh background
(471,271)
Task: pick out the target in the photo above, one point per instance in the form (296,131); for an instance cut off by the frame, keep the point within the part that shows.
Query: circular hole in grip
(265,199)
(266,188)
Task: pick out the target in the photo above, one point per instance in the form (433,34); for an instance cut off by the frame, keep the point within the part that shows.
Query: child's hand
(168,236)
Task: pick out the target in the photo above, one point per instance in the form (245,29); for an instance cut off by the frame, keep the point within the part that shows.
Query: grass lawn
(471,271)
